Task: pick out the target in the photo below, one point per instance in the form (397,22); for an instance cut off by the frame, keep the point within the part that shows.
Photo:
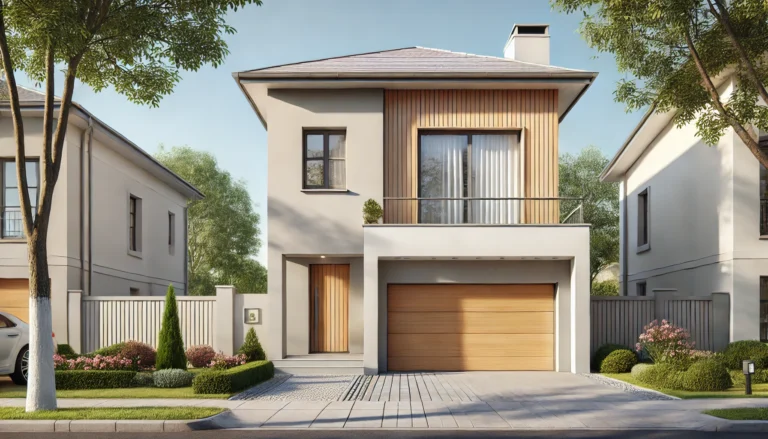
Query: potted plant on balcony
(372,211)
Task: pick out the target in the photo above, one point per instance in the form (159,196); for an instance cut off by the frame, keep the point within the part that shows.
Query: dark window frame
(644,220)
(326,158)
(133,210)
(644,288)
(36,186)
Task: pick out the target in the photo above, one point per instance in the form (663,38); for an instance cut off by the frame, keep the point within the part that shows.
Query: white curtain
(442,176)
(495,163)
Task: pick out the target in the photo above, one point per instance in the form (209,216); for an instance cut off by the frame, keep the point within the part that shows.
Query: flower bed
(222,362)
(98,362)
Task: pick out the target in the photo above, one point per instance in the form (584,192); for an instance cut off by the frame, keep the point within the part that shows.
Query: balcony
(482,210)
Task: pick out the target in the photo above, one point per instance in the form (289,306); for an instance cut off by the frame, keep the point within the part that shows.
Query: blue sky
(207,110)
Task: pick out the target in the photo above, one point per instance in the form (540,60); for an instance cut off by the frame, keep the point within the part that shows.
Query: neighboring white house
(118,217)
(473,266)
(694,218)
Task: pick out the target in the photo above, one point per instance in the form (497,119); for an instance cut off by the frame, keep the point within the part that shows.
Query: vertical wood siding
(110,320)
(533,112)
(329,308)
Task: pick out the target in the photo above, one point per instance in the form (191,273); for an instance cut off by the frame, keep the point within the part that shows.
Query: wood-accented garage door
(470,327)
(14,297)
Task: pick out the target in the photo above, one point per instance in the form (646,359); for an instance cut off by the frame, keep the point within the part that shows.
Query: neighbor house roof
(32,100)
(413,61)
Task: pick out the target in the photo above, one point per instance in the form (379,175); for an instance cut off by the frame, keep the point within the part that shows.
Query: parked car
(14,348)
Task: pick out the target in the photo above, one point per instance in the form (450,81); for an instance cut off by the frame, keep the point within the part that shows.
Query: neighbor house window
(171,232)
(763,190)
(12,223)
(134,224)
(469,177)
(764,309)
(135,292)
(324,159)
(643,210)
(640,288)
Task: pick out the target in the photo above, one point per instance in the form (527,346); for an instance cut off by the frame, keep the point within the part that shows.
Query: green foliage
(109,351)
(233,380)
(662,376)
(251,347)
(618,361)
(639,368)
(580,178)
(170,346)
(93,379)
(223,228)
(658,45)
(706,375)
(66,351)
(143,379)
(759,377)
(605,288)
(172,378)
(372,211)
(602,352)
(739,351)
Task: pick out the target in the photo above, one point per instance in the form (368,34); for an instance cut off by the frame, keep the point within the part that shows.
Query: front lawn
(758,390)
(744,414)
(10,390)
(111,413)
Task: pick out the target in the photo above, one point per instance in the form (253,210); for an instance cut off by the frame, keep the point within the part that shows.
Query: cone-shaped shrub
(251,348)
(170,346)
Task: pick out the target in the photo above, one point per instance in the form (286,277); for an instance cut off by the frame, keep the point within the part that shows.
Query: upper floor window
(11,205)
(763,190)
(171,232)
(324,159)
(134,224)
(643,218)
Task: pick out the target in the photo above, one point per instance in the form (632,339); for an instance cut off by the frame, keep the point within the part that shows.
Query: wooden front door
(329,308)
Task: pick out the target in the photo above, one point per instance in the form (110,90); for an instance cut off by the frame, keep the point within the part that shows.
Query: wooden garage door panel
(470,345)
(469,363)
(536,322)
(464,298)
(14,297)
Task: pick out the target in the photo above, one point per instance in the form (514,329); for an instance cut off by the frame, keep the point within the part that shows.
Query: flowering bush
(200,356)
(221,361)
(99,362)
(142,354)
(666,343)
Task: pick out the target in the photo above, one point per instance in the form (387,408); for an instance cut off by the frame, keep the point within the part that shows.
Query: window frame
(3,162)
(645,218)
(644,284)
(135,240)
(326,159)
(171,232)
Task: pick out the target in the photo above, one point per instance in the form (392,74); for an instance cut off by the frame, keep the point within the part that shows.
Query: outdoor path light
(748,367)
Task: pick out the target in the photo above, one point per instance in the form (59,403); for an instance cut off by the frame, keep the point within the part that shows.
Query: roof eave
(608,173)
(267,77)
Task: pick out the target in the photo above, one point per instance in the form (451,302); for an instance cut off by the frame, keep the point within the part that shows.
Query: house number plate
(252,316)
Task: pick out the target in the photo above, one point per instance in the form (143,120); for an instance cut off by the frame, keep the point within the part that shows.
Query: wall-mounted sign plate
(252,316)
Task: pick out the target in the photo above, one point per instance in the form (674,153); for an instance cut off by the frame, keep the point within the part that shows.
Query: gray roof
(25,94)
(414,61)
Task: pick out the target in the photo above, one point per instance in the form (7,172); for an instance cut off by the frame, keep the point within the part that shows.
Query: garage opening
(461,327)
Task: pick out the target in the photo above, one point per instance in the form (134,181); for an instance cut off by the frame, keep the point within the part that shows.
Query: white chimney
(528,43)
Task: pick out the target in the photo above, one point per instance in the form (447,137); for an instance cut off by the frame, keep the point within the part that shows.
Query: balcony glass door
(454,167)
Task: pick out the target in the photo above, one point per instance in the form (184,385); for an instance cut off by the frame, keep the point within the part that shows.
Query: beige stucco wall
(311,224)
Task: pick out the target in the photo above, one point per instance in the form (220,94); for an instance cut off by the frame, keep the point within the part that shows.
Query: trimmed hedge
(739,351)
(618,361)
(602,352)
(706,376)
(93,379)
(172,378)
(233,380)
(143,379)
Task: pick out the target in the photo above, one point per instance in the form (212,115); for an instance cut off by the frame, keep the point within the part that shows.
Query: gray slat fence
(620,320)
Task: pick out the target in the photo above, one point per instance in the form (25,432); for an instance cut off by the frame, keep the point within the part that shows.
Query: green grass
(112,413)
(758,390)
(10,390)
(745,414)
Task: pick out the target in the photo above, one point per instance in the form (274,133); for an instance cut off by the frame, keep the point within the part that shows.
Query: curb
(106,426)
(743,426)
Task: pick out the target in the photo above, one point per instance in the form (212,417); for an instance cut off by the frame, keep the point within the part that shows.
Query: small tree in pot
(372,211)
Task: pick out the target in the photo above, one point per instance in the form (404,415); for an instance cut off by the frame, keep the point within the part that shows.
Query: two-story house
(693,217)
(471,266)
(118,218)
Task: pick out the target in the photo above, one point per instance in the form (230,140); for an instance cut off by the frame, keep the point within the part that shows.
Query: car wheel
(21,372)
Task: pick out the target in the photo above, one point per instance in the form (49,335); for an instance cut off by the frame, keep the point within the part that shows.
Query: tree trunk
(41,386)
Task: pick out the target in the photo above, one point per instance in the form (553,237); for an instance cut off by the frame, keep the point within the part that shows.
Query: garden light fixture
(748,367)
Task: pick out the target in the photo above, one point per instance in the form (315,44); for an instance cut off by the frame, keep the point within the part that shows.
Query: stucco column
(371,314)
(74,319)
(580,312)
(276,290)
(224,332)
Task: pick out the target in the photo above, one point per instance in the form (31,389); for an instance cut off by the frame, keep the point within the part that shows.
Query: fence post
(660,297)
(721,320)
(224,327)
(74,319)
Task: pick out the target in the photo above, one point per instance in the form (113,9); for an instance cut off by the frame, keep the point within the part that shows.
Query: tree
(580,178)
(676,50)
(251,347)
(170,345)
(223,229)
(136,46)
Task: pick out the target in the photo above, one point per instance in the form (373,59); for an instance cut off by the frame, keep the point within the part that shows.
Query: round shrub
(739,351)
(707,375)
(143,380)
(662,376)
(66,351)
(639,368)
(141,353)
(171,378)
(109,351)
(619,361)
(602,352)
(200,356)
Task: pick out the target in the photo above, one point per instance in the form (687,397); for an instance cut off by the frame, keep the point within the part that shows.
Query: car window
(5,323)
